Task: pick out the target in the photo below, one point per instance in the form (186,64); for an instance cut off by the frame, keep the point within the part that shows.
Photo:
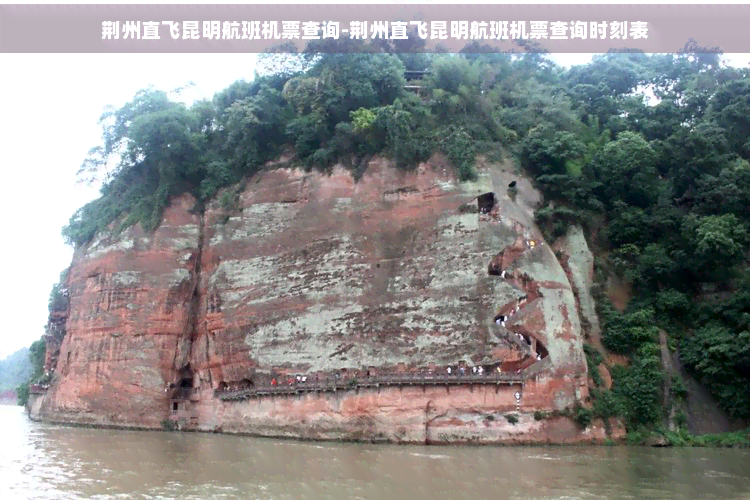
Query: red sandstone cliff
(317,274)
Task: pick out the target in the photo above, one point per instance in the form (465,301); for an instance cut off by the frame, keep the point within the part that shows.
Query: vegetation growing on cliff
(663,186)
(326,108)
(666,187)
(37,352)
(36,355)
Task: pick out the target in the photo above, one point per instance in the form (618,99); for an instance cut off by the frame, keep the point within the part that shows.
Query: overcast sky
(50,106)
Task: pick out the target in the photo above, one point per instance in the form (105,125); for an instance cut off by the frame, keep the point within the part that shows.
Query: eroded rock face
(578,261)
(128,325)
(319,274)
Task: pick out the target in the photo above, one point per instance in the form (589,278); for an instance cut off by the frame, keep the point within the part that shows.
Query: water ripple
(45,462)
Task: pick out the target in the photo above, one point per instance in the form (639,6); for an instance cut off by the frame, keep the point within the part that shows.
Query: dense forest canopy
(662,185)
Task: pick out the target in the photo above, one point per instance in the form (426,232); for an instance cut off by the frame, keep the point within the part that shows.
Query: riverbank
(471,413)
(167,426)
(682,438)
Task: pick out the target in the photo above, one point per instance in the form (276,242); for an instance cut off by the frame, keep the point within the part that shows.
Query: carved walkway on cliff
(535,353)
(334,385)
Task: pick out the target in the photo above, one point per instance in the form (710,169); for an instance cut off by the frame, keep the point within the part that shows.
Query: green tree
(629,157)
(726,192)
(626,333)
(37,353)
(718,242)
(152,142)
(721,358)
(642,388)
(662,189)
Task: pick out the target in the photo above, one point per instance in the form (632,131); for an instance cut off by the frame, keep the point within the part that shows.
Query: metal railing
(332,384)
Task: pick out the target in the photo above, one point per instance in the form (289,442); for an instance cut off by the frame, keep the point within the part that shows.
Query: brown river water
(41,461)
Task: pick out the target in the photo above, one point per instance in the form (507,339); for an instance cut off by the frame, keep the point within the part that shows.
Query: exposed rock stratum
(347,284)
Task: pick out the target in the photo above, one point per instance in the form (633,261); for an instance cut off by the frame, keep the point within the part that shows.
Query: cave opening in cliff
(486,201)
(494,268)
(186,378)
(541,350)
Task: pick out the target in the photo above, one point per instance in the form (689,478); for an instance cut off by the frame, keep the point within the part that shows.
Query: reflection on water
(39,461)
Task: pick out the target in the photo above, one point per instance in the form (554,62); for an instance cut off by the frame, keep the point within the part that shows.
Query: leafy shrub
(555,220)
(22,394)
(58,300)
(461,150)
(607,404)
(678,388)
(593,360)
(594,356)
(168,425)
(739,439)
(640,386)
(681,419)
(362,119)
(583,416)
(624,333)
